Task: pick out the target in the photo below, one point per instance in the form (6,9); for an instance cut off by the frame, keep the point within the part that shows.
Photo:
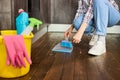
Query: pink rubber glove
(21,51)
(16,51)
(11,53)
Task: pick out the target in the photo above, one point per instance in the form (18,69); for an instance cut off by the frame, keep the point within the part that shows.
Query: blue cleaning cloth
(66,43)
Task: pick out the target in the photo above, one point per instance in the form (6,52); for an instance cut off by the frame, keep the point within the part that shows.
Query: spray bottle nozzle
(34,21)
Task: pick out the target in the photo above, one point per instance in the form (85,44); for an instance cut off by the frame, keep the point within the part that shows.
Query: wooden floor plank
(91,69)
(40,51)
(79,64)
(68,68)
(114,46)
(44,66)
(110,65)
(57,68)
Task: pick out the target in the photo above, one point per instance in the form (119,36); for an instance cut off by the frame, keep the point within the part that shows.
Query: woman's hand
(68,32)
(77,37)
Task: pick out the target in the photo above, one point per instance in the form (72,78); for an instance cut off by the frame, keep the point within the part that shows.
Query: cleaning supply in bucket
(16,51)
(33,22)
(21,21)
(65,46)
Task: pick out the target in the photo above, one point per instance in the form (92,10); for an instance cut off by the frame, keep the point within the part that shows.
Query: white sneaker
(93,40)
(98,49)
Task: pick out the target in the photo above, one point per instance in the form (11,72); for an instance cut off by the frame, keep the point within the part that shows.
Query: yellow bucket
(10,71)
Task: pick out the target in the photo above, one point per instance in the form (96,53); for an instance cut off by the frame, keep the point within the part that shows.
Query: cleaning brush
(66,43)
(65,46)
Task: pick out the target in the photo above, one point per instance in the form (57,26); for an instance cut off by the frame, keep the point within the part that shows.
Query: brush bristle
(66,43)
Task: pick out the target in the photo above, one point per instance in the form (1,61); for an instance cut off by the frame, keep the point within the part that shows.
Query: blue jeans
(78,21)
(105,15)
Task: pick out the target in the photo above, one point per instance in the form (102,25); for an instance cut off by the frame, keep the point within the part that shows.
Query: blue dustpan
(64,46)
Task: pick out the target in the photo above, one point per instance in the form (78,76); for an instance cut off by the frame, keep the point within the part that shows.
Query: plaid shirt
(86,6)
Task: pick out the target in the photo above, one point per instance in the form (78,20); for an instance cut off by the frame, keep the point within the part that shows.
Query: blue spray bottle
(21,21)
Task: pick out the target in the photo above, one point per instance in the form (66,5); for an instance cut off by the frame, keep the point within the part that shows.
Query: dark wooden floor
(76,66)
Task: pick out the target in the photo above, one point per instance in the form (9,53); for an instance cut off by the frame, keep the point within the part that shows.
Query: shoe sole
(97,53)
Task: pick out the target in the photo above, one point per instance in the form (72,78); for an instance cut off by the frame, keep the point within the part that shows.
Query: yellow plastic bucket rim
(25,36)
